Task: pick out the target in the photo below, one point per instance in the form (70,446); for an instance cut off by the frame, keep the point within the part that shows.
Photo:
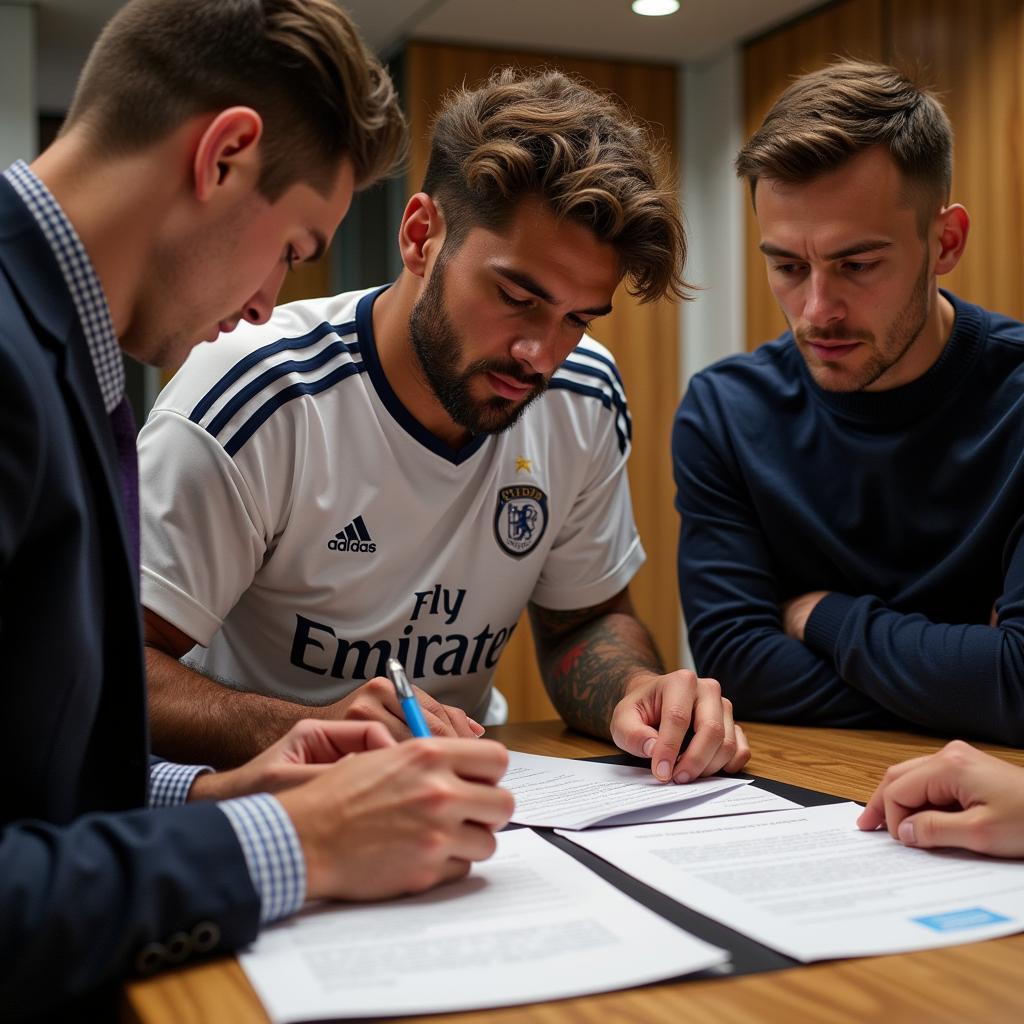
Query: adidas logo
(355,537)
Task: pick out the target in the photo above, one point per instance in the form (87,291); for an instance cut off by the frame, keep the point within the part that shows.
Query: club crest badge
(520,518)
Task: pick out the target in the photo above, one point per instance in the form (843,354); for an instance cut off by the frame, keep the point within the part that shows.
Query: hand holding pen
(407,699)
(377,701)
(410,707)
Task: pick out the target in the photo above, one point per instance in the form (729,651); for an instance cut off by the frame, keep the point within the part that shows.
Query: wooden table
(982,981)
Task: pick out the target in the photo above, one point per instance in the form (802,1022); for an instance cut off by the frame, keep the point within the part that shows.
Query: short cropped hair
(300,64)
(553,137)
(829,116)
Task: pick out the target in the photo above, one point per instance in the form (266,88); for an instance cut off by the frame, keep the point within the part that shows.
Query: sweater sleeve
(730,591)
(958,679)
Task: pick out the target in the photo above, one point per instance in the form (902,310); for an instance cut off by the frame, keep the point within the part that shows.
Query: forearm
(588,669)
(963,680)
(771,677)
(730,591)
(94,895)
(196,720)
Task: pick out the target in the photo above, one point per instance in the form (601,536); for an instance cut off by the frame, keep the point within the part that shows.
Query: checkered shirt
(80,277)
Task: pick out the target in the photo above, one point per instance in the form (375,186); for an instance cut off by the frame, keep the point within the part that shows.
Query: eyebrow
(528,284)
(858,249)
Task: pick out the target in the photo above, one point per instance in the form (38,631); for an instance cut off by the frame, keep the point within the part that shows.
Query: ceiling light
(655,8)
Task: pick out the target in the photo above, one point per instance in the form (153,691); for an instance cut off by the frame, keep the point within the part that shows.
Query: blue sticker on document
(974,917)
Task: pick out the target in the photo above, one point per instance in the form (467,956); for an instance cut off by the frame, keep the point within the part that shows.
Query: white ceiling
(606,28)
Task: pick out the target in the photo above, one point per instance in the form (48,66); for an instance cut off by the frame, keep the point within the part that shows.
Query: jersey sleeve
(203,530)
(598,549)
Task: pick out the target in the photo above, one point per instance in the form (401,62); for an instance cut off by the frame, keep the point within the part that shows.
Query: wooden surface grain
(962,984)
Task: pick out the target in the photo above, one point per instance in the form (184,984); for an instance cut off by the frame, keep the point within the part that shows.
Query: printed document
(559,792)
(810,884)
(749,799)
(529,924)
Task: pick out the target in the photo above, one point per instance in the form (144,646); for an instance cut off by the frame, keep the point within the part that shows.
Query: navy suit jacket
(91,883)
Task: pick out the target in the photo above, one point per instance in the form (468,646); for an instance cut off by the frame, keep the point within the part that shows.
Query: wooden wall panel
(973,55)
(854,28)
(307,281)
(644,339)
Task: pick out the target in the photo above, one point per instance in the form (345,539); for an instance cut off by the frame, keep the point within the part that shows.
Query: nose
(261,304)
(539,349)
(823,305)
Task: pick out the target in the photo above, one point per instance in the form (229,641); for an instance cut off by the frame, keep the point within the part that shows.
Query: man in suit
(209,146)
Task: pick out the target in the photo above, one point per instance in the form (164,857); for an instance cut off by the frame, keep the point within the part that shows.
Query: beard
(900,335)
(439,352)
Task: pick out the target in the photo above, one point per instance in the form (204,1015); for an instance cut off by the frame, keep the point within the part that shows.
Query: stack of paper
(810,884)
(533,924)
(530,924)
(556,792)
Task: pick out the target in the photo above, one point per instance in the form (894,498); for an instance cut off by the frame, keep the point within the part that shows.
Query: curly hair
(552,136)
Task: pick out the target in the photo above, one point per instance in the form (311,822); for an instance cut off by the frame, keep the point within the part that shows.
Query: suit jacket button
(205,936)
(150,958)
(179,945)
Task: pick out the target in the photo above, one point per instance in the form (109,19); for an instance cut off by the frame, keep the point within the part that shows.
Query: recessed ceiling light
(655,8)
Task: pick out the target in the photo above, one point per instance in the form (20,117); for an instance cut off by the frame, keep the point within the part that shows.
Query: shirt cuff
(821,631)
(169,783)
(272,852)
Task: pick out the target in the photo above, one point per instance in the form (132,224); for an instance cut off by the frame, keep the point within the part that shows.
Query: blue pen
(410,706)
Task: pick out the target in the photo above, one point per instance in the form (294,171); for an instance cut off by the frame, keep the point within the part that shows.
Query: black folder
(748,955)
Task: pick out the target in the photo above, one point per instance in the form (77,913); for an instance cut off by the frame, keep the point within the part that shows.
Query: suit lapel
(36,278)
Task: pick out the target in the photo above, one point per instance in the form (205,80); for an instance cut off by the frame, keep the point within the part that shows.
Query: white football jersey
(302,526)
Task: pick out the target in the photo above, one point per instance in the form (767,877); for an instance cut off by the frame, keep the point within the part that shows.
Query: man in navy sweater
(852,494)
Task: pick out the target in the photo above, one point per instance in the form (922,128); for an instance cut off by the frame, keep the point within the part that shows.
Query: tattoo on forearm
(586,656)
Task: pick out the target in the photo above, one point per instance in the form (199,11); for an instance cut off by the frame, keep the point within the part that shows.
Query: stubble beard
(900,336)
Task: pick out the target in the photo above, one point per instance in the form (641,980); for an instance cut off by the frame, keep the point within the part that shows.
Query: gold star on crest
(523,464)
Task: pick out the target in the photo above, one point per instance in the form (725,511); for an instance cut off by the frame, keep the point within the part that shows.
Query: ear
(226,155)
(421,234)
(953,225)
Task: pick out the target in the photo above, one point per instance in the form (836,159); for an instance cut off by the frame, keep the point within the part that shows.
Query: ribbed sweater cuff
(823,624)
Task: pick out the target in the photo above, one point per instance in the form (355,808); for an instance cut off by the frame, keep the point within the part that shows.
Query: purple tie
(123,423)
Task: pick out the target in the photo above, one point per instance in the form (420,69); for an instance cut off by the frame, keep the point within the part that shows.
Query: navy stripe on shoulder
(623,425)
(249,361)
(599,374)
(579,350)
(296,390)
(268,376)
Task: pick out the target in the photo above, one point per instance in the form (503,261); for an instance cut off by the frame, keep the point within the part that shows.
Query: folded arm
(956,679)
(729,585)
(859,663)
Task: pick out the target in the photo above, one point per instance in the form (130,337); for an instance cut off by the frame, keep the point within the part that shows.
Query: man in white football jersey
(377,474)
